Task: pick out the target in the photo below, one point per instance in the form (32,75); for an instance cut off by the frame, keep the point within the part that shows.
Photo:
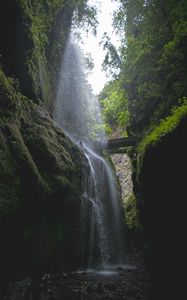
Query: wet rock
(128,284)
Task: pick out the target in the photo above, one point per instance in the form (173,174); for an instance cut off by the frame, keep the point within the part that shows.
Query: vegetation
(39,202)
(132,214)
(10,97)
(114,107)
(164,127)
(147,96)
(152,57)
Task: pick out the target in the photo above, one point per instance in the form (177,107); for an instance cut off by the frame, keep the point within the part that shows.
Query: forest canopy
(151,64)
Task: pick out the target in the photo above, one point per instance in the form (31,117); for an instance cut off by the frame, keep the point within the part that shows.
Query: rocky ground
(130,282)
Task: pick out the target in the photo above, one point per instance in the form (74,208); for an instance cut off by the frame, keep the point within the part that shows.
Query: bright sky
(98,78)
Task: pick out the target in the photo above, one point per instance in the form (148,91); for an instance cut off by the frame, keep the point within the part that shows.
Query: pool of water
(108,270)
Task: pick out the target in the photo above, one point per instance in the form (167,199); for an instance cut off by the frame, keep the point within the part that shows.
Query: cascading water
(77,112)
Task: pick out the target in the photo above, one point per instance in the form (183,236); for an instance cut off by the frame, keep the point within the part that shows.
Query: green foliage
(132,214)
(166,125)
(111,63)
(97,130)
(84,15)
(114,106)
(152,57)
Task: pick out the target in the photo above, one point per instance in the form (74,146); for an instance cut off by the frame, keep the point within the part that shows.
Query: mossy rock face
(40,193)
(40,168)
(164,128)
(162,186)
(32,44)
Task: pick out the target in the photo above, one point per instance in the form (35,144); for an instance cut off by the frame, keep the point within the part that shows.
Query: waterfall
(77,111)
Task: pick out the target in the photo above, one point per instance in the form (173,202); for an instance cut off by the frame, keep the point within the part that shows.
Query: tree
(114,107)
(152,57)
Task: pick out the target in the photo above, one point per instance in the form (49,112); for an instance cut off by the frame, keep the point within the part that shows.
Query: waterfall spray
(77,111)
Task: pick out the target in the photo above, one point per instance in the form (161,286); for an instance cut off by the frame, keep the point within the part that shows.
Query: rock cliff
(40,168)
(162,187)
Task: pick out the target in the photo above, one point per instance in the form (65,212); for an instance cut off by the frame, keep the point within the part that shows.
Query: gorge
(65,230)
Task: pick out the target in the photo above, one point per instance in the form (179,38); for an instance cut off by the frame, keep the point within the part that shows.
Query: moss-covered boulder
(160,187)
(40,188)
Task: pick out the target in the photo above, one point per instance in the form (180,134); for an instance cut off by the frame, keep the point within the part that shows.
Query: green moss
(9,197)
(10,97)
(47,143)
(166,126)
(40,18)
(23,155)
(34,152)
(40,185)
(132,214)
